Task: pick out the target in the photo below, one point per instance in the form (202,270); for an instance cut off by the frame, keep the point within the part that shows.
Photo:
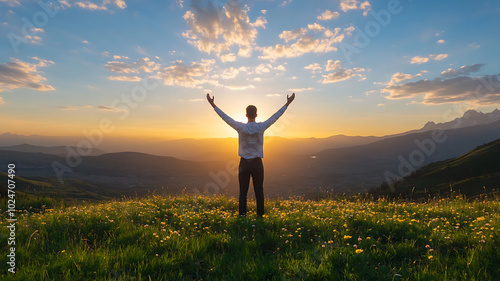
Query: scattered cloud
(95,7)
(346,5)
(400,76)
(125,78)
(115,57)
(19,74)
(333,65)
(313,39)
(340,73)
(187,75)
(483,90)
(238,88)
(85,42)
(10,3)
(298,90)
(328,15)
(464,70)
(82,107)
(474,46)
(217,29)
(420,60)
(314,67)
(441,41)
(228,57)
(143,64)
(2,101)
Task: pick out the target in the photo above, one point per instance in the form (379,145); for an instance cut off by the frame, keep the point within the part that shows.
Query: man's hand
(211,100)
(289,99)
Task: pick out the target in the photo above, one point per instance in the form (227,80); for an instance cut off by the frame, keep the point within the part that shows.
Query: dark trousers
(255,169)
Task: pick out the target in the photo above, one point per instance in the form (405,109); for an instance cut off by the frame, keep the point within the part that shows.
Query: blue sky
(358,67)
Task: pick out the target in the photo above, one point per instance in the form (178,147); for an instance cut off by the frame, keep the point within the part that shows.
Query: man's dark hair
(251,111)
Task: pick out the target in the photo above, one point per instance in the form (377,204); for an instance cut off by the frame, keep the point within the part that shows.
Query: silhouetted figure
(250,149)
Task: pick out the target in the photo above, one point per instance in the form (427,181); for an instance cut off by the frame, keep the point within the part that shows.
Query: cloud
(238,88)
(11,3)
(441,41)
(314,67)
(187,75)
(95,7)
(217,29)
(483,90)
(297,90)
(2,101)
(464,70)
(19,74)
(474,46)
(125,78)
(143,64)
(346,5)
(82,107)
(328,15)
(340,73)
(315,38)
(420,60)
(333,65)
(228,57)
(400,76)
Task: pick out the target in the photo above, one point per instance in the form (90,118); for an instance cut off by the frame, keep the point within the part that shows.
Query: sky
(142,68)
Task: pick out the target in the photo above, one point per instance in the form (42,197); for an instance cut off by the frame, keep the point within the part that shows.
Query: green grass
(201,238)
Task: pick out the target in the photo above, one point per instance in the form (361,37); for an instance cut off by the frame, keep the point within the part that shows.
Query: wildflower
(347,236)
(430,257)
(359,251)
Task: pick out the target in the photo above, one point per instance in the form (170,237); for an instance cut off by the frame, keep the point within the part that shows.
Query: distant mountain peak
(470,117)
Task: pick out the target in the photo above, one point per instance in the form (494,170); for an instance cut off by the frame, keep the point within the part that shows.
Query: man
(250,143)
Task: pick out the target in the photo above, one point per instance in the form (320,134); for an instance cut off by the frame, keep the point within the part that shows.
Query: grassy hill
(471,174)
(51,187)
(200,238)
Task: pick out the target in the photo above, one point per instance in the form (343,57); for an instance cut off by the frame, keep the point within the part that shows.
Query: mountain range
(340,164)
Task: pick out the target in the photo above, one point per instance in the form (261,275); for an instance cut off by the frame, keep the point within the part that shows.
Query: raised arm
(266,124)
(230,121)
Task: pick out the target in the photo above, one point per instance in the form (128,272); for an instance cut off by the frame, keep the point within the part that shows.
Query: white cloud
(216,29)
(464,70)
(314,67)
(333,65)
(19,74)
(91,6)
(346,5)
(420,60)
(187,75)
(340,73)
(441,41)
(125,78)
(328,15)
(83,107)
(95,7)
(228,57)
(143,64)
(315,38)
(452,90)
(238,88)
(298,90)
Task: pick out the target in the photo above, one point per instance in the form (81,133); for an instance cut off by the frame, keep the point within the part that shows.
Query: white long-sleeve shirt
(251,134)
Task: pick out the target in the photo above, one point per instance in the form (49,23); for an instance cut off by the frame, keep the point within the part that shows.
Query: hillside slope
(469,174)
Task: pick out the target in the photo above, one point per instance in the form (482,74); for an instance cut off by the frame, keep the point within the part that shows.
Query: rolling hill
(470,174)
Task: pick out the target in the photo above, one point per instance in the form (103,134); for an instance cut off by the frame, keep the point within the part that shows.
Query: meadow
(192,237)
